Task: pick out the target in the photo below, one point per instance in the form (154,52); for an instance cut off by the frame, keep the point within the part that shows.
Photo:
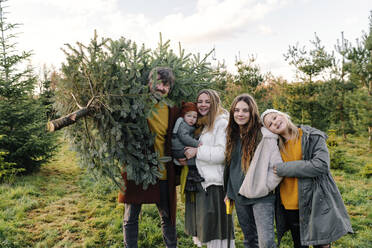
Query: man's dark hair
(165,74)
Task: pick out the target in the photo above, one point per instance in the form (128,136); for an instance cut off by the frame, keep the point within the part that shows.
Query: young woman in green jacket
(249,181)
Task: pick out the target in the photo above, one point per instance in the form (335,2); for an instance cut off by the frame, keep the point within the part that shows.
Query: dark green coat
(323,216)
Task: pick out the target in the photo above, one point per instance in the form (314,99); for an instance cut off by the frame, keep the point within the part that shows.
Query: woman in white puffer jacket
(211,155)
(205,214)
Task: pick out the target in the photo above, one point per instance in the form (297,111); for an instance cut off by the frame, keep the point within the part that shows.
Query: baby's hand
(190,152)
(182,161)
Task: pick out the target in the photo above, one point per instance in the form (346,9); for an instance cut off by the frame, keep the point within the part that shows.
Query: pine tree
(47,86)
(309,63)
(360,69)
(337,93)
(360,60)
(247,79)
(107,82)
(21,115)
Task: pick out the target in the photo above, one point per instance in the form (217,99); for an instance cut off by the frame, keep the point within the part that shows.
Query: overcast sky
(264,28)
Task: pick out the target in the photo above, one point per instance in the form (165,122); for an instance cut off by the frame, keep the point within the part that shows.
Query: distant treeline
(333,90)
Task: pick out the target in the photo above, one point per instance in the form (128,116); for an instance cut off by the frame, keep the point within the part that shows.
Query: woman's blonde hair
(249,133)
(292,129)
(214,110)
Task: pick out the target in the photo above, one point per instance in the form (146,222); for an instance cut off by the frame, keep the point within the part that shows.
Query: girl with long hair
(251,152)
(309,203)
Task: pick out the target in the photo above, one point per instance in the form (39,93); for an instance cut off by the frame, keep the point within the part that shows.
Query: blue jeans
(130,222)
(257,223)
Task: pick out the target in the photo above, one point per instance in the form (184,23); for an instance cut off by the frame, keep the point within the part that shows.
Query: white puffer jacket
(210,158)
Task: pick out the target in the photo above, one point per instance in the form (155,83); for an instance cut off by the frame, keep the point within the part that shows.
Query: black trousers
(292,220)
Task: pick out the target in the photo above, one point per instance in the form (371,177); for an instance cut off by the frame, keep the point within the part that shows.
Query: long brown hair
(214,110)
(248,133)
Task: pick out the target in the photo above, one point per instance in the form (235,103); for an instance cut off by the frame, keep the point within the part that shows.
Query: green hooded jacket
(322,213)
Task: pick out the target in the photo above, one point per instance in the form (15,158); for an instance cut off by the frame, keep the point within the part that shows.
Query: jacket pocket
(307,194)
(321,195)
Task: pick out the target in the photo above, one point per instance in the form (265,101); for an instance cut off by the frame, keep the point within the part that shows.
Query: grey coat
(183,135)
(322,213)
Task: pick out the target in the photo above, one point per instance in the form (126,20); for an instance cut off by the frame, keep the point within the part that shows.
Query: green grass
(62,206)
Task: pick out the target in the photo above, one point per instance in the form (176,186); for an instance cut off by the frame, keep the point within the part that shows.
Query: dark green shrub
(341,161)
(7,170)
(367,170)
(338,158)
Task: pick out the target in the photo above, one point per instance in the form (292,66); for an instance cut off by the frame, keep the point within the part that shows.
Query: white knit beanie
(269,111)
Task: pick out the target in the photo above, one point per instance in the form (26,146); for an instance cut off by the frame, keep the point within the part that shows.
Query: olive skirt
(205,214)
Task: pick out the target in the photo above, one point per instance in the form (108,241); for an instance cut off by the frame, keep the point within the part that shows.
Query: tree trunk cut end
(50,126)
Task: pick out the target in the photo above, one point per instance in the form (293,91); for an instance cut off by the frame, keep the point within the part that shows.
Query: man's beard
(159,94)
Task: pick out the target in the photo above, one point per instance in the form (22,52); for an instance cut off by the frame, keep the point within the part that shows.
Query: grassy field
(62,206)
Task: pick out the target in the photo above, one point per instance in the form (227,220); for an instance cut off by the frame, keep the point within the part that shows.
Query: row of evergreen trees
(24,144)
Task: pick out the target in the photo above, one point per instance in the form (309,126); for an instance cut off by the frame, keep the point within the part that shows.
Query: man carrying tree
(163,193)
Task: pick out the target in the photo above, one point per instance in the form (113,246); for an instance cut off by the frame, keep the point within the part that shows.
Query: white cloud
(352,20)
(266,30)
(248,26)
(215,20)
(49,24)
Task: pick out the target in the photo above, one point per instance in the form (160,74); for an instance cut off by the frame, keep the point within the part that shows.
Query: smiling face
(241,113)
(276,123)
(191,117)
(203,104)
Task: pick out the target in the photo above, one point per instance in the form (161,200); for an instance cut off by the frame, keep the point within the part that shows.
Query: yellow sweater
(158,124)
(289,185)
